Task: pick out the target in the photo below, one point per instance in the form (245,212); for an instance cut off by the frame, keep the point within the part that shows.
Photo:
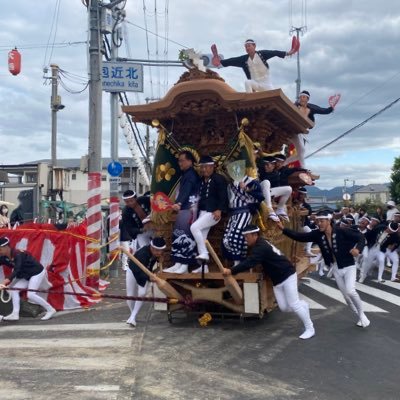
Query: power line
(41,46)
(162,37)
(355,127)
(54,26)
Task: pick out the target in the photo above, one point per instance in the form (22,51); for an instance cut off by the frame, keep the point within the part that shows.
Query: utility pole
(301,30)
(114,231)
(94,216)
(55,105)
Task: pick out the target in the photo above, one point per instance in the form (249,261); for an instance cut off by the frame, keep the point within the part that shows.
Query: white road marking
(337,295)
(19,361)
(112,326)
(313,304)
(58,343)
(394,285)
(97,388)
(380,294)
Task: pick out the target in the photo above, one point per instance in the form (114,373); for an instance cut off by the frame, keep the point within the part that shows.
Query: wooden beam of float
(202,107)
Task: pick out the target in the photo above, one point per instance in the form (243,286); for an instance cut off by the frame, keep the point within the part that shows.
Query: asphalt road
(94,355)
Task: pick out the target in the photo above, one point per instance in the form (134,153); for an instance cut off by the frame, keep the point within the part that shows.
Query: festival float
(203,114)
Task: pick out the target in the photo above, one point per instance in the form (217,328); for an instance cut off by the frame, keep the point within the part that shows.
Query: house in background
(375,193)
(31,182)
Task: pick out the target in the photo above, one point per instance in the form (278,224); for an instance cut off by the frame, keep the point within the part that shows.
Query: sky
(350,47)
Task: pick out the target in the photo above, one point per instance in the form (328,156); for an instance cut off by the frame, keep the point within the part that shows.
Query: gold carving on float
(164,171)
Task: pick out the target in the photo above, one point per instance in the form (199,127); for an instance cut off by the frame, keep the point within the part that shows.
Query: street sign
(122,77)
(115,168)
(115,179)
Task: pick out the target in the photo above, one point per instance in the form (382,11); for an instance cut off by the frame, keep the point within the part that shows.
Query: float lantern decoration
(14,61)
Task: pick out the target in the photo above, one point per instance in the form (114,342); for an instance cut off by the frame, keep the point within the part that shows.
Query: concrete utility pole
(55,105)
(94,152)
(114,232)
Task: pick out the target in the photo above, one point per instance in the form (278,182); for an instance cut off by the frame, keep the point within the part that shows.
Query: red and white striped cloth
(62,253)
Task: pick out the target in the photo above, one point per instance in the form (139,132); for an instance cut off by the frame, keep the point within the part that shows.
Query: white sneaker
(307,334)
(50,313)
(173,268)
(11,317)
(199,270)
(203,256)
(183,269)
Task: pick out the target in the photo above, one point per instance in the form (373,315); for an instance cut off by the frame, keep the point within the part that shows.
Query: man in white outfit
(254,64)
(213,201)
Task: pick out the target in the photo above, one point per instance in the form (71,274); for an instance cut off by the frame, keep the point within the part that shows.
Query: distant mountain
(335,193)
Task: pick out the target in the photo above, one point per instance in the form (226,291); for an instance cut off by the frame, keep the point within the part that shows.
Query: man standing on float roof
(254,64)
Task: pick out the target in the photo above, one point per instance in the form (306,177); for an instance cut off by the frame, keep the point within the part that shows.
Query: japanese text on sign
(122,77)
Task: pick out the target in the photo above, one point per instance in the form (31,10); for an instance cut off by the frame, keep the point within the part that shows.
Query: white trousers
(346,282)
(298,142)
(287,297)
(393,256)
(200,229)
(34,283)
(124,258)
(283,192)
(252,85)
(308,245)
(133,289)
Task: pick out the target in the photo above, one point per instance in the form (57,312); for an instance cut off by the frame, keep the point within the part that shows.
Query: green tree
(395,181)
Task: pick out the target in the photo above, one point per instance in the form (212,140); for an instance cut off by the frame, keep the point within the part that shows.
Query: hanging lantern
(14,61)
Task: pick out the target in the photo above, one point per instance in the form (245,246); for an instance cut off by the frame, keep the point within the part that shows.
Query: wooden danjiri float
(203,114)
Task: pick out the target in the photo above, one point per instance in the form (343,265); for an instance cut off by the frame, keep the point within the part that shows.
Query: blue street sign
(115,168)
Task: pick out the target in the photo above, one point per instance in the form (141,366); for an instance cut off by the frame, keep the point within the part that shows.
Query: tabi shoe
(282,214)
(131,321)
(359,323)
(50,313)
(274,217)
(381,281)
(173,268)
(365,322)
(330,273)
(203,256)
(310,254)
(307,334)
(11,317)
(395,280)
(361,279)
(198,270)
(183,269)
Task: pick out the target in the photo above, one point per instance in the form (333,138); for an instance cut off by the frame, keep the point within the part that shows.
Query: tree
(395,181)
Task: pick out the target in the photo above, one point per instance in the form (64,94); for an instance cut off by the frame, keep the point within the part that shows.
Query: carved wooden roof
(202,107)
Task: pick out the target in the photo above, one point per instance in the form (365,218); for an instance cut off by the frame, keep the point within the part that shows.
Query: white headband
(156,247)
(131,196)
(252,231)
(329,216)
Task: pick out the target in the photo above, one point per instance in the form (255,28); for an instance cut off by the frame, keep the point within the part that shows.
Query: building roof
(374,188)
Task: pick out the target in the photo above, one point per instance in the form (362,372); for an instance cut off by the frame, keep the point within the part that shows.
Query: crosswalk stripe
(97,342)
(394,285)
(337,295)
(19,361)
(313,304)
(381,294)
(97,388)
(108,326)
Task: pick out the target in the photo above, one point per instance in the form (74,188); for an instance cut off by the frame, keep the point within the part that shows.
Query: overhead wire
(354,127)
(54,27)
(148,48)
(152,33)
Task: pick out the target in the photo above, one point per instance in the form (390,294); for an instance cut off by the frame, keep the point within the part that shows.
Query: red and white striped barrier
(114,228)
(94,222)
